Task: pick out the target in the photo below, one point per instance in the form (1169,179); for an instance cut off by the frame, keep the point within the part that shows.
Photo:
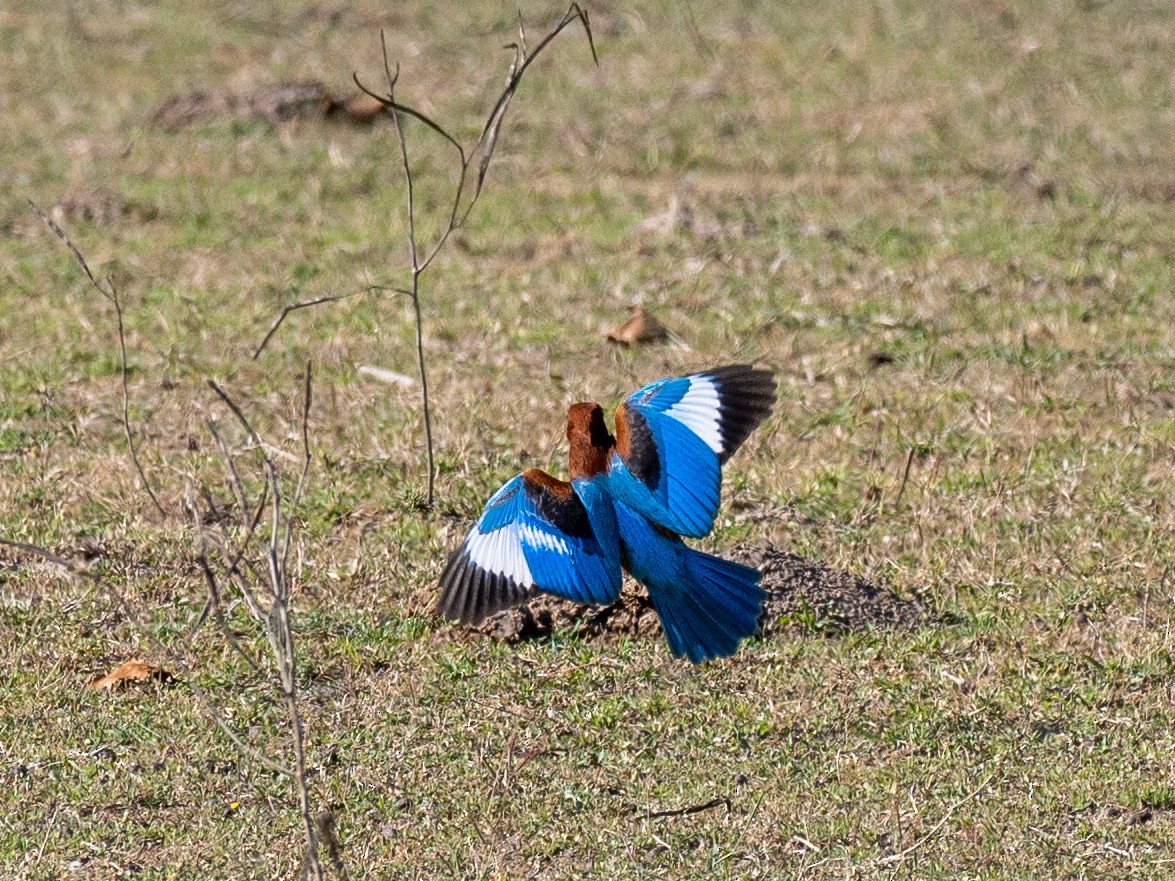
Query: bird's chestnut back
(590,441)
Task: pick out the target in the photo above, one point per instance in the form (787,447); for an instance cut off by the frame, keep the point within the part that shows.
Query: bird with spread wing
(630,500)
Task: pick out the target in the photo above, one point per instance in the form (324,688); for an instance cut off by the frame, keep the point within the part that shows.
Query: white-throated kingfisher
(630,499)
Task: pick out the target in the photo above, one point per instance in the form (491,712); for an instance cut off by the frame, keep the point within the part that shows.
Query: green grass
(982,192)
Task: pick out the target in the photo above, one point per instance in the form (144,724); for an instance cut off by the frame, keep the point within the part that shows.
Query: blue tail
(713,607)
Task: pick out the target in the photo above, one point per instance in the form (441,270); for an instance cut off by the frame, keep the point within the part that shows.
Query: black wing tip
(746,397)
(732,372)
(470,594)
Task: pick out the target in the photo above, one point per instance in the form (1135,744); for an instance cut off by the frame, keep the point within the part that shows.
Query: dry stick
(465,196)
(173,656)
(249,524)
(414,294)
(234,561)
(317,301)
(111,295)
(217,607)
(235,484)
(281,632)
(280,583)
(486,143)
(306,398)
(905,477)
(270,486)
(902,854)
(282,641)
(693,809)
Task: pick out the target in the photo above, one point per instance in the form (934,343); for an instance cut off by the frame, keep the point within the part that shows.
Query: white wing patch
(543,539)
(698,411)
(500,552)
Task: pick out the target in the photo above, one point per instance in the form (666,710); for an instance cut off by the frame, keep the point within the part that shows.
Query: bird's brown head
(590,441)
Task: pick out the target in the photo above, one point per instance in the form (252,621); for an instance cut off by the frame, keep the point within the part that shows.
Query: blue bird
(630,499)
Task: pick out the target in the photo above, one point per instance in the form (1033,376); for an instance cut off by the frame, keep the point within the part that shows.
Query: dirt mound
(808,594)
(801,594)
(102,206)
(97,205)
(273,103)
(632,614)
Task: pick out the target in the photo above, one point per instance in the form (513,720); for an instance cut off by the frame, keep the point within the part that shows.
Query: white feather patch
(500,552)
(540,538)
(698,411)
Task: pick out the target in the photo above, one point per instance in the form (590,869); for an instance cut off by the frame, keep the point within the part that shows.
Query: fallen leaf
(362,108)
(639,327)
(128,671)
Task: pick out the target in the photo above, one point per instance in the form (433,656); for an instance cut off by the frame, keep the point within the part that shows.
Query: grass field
(950,229)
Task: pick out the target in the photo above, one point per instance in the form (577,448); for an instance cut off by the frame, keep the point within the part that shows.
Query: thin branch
(489,136)
(285,652)
(317,301)
(905,852)
(466,193)
(238,488)
(905,477)
(112,296)
(233,563)
(249,525)
(413,257)
(217,608)
(281,631)
(126,419)
(692,809)
(399,121)
(306,397)
(174,657)
(390,105)
(488,139)
(60,233)
(248,426)
(432,471)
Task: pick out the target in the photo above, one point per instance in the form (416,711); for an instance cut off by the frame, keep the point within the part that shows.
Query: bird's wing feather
(535,535)
(673,435)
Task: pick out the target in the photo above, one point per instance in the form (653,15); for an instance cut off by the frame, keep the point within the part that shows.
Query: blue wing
(536,534)
(672,437)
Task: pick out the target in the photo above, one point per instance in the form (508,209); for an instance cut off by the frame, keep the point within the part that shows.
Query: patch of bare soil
(102,206)
(279,102)
(538,618)
(806,593)
(95,205)
(801,594)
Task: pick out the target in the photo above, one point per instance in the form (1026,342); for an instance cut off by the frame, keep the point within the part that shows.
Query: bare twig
(280,631)
(466,193)
(306,397)
(234,569)
(692,809)
(318,301)
(413,259)
(216,606)
(905,852)
(110,292)
(905,477)
(234,478)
